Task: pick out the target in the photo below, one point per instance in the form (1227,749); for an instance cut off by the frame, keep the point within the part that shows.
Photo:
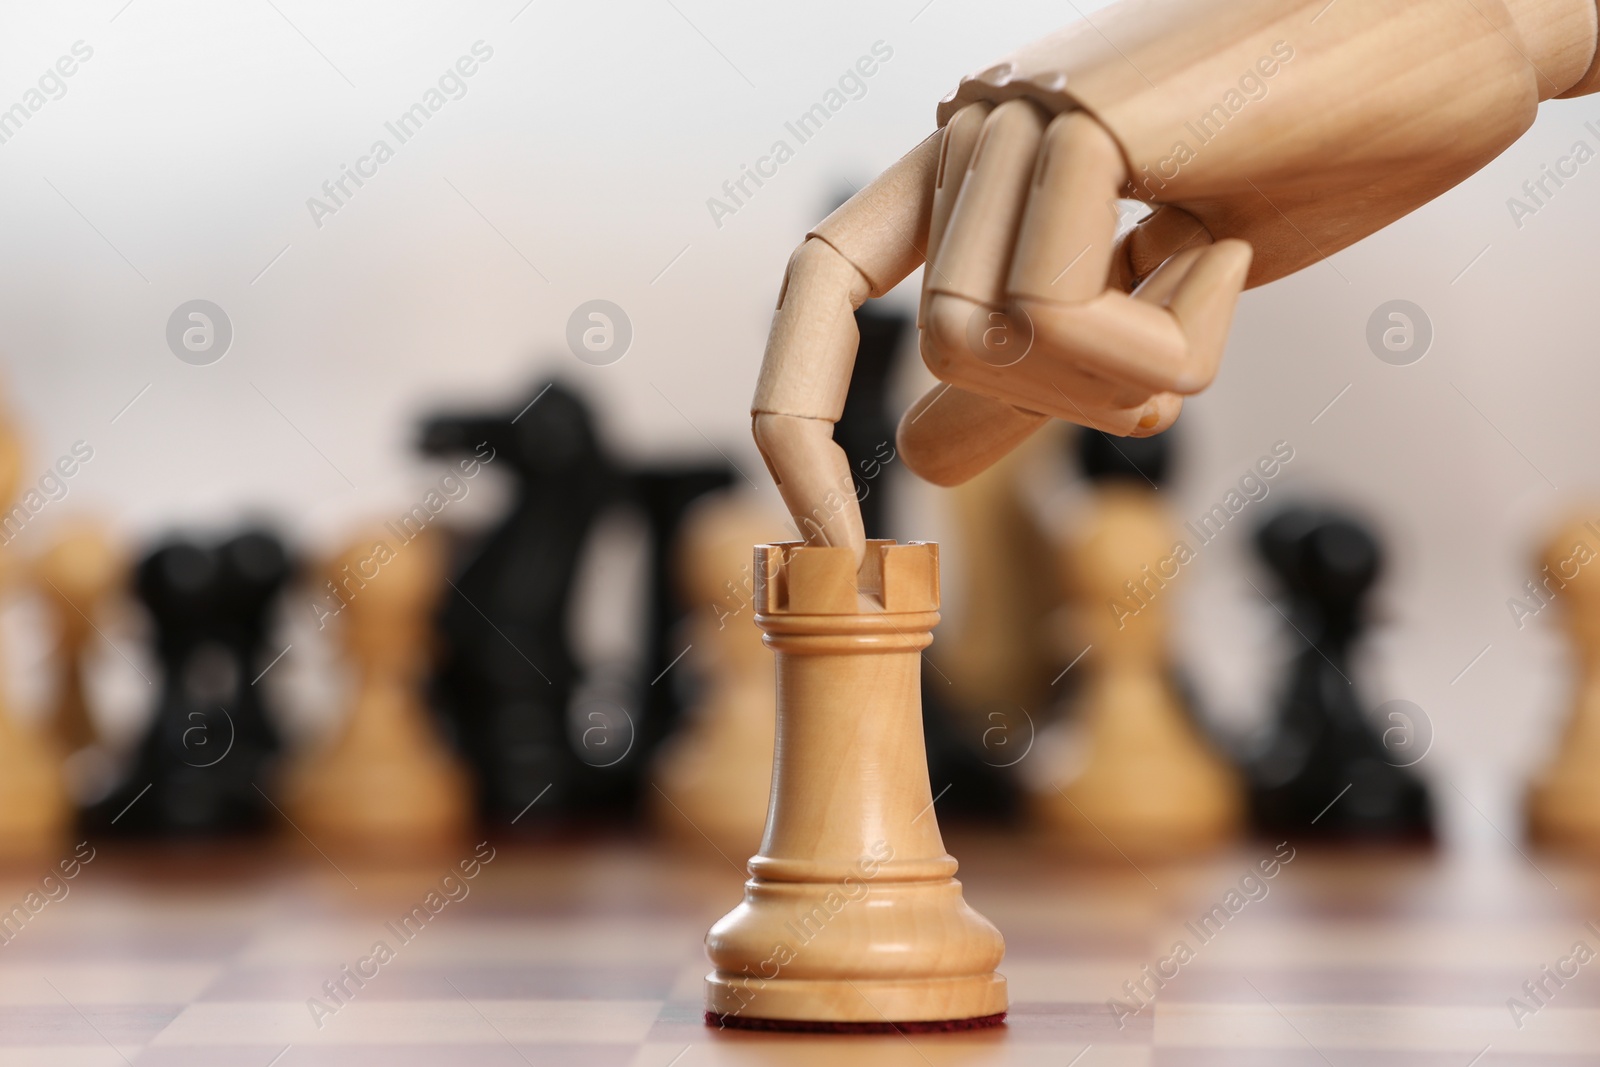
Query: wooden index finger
(863,249)
(883,229)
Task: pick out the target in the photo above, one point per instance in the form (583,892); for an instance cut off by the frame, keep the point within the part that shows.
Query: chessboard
(588,953)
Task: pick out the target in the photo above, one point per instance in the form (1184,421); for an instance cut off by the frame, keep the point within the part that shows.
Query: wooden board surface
(588,953)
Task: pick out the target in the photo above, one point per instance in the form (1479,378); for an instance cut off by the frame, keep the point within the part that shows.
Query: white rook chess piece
(852,917)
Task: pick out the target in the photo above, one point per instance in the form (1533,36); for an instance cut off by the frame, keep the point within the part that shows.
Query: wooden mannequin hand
(1235,119)
(1024,316)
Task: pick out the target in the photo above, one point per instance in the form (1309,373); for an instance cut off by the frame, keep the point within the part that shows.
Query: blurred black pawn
(1142,461)
(1323,769)
(507,672)
(201,768)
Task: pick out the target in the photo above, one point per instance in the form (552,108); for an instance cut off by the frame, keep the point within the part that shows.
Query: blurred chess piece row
(1563,804)
(509,678)
(1126,763)
(458,651)
(35,808)
(386,780)
(465,684)
(714,776)
(1143,779)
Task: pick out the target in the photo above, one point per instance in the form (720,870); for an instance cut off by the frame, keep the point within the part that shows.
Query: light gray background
(178,164)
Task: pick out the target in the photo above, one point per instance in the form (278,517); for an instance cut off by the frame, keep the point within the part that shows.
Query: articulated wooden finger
(861,250)
(976,248)
(1112,336)
(1199,288)
(883,229)
(965,325)
(1152,416)
(813,476)
(812,347)
(1161,285)
(955,156)
(1167,337)
(1068,231)
(1562,36)
(1156,416)
(1077,396)
(1203,303)
(951,444)
(1017,358)
(1588,83)
(951,435)
(1163,234)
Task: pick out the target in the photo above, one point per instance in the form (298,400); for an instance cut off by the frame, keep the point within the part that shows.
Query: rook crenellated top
(793,578)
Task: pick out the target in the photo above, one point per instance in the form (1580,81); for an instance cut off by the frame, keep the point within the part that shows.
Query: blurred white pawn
(714,775)
(388,781)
